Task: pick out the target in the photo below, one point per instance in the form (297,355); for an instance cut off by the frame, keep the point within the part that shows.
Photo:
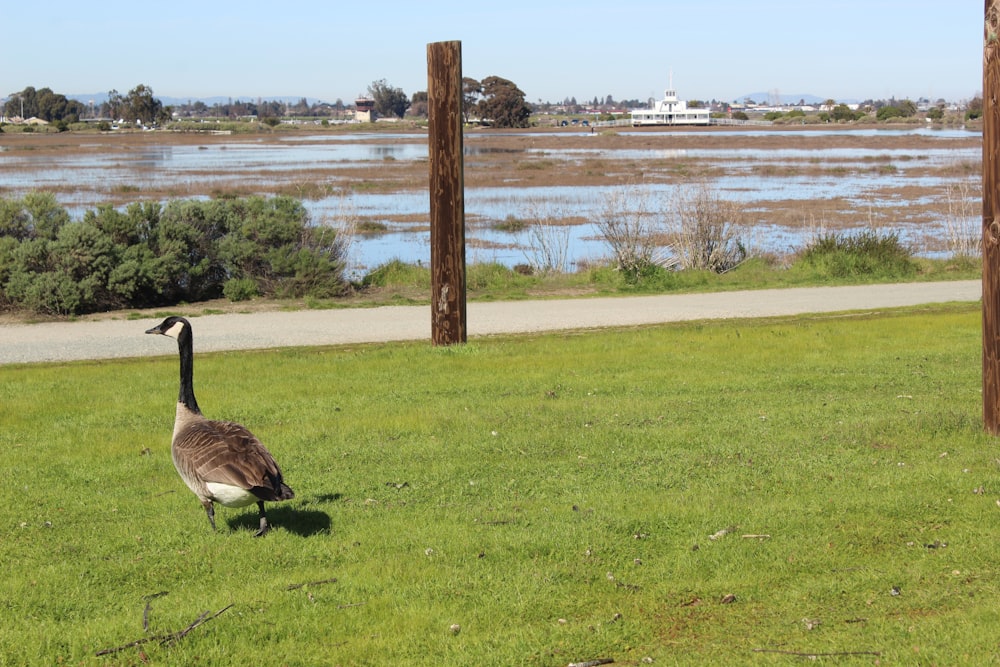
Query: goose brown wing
(228,453)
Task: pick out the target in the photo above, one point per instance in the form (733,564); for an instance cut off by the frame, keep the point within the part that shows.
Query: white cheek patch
(175,330)
(230,496)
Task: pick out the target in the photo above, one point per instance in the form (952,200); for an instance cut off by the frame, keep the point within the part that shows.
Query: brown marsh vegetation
(929,190)
(511,159)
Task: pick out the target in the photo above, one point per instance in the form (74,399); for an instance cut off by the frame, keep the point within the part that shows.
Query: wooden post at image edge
(991,219)
(447,193)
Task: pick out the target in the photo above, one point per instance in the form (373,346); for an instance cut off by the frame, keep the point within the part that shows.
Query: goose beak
(155,330)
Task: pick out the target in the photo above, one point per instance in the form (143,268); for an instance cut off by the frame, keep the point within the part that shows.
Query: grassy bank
(708,493)
(398,283)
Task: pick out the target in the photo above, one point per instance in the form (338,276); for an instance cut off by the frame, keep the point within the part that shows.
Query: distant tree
(842,112)
(139,105)
(270,109)
(975,108)
(20,104)
(472,90)
(54,107)
(889,112)
(936,113)
(418,104)
(503,103)
(44,104)
(389,101)
(115,105)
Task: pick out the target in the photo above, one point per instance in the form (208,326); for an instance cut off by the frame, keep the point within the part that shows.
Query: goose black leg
(263,521)
(210,510)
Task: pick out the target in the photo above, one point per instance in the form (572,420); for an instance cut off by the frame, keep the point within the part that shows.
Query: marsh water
(793,189)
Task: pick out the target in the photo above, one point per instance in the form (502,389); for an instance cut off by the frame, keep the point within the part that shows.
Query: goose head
(172,326)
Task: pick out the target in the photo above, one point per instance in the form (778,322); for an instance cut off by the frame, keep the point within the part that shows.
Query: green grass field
(738,492)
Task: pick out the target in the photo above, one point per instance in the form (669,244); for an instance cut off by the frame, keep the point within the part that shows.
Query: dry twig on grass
(592,663)
(295,587)
(813,656)
(169,638)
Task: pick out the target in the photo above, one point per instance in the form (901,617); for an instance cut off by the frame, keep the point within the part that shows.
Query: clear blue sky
(719,49)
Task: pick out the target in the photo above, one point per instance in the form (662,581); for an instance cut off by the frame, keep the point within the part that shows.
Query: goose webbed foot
(264,527)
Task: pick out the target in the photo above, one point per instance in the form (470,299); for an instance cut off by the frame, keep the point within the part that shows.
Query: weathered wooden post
(991,219)
(447,191)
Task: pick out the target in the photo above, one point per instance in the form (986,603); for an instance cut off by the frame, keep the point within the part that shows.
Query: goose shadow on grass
(294,519)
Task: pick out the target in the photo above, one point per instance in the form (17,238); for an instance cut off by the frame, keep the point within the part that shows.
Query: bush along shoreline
(152,254)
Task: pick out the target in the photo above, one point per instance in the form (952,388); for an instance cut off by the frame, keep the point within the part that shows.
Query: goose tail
(273,493)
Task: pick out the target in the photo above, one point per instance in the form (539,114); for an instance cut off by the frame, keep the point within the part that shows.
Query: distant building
(364,110)
(670,111)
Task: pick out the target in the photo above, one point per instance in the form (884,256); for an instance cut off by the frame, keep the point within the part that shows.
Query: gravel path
(106,339)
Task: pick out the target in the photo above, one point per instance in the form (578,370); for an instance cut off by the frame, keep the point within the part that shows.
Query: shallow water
(747,175)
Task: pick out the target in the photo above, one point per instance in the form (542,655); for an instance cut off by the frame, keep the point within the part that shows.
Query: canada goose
(219,461)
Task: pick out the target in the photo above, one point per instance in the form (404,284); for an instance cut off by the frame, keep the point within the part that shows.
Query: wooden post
(447,191)
(991,218)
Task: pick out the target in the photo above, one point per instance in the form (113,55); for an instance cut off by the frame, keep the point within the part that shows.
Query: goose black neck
(185,345)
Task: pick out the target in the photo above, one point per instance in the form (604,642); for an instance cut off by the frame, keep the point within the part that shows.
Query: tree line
(494,99)
(44,104)
(138,106)
(150,255)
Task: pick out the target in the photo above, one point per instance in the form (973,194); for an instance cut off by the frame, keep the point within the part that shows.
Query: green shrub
(64,276)
(240,289)
(865,254)
(397,273)
(307,271)
(648,278)
(493,276)
(36,215)
(148,255)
